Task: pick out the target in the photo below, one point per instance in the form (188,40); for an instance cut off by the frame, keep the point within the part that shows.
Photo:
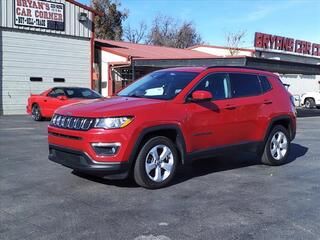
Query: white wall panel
(26,55)
(218,51)
(106,59)
(300,84)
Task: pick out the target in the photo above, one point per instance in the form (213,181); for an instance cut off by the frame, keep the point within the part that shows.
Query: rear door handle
(267,101)
(230,107)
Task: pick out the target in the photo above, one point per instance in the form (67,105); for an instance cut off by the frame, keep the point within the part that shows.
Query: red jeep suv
(172,116)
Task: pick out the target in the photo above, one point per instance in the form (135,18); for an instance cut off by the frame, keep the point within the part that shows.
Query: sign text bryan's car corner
(268,41)
(36,13)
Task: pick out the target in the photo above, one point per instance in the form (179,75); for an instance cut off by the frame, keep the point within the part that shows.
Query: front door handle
(230,107)
(267,101)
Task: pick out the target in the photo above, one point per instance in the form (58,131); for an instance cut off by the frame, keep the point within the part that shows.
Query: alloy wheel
(278,145)
(159,163)
(35,112)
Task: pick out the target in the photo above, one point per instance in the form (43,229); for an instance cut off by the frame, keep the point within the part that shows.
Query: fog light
(105,149)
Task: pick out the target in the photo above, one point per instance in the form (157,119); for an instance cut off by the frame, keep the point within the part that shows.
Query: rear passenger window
(244,85)
(217,84)
(265,85)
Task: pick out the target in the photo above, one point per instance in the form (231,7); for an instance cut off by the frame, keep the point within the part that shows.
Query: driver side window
(217,84)
(56,93)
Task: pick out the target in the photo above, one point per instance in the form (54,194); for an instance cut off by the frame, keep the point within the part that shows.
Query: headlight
(113,122)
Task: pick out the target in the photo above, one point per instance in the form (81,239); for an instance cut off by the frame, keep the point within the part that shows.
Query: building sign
(41,14)
(268,41)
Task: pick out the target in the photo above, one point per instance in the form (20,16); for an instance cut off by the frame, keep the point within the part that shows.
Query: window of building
(244,85)
(217,84)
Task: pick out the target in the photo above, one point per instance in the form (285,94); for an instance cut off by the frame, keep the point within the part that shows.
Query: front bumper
(82,141)
(80,161)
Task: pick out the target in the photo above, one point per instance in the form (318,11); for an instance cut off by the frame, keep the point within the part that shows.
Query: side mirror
(62,97)
(201,96)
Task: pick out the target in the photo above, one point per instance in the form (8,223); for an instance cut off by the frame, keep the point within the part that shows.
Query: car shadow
(203,167)
(296,151)
(228,162)
(125,183)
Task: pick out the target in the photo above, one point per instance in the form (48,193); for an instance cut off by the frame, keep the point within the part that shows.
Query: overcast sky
(299,19)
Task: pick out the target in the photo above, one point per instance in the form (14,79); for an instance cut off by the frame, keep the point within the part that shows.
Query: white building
(43,44)
(223,51)
(297,62)
(119,63)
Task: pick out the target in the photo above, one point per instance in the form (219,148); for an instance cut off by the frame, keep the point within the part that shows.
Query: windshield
(159,85)
(85,93)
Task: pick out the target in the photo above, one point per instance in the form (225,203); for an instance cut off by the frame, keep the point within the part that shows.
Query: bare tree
(162,31)
(109,25)
(187,36)
(234,40)
(167,31)
(135,35)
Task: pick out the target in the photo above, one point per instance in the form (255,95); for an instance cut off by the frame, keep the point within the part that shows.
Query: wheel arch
(34,103)
(284,121)
(309,97)
(171,131)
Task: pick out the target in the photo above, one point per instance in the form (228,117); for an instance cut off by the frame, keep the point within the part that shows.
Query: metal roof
(142,51)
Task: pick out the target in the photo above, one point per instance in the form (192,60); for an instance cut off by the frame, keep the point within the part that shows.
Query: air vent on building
(36,79)
(59,80)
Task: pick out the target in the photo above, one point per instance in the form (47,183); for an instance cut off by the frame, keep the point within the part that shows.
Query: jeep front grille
(74,123)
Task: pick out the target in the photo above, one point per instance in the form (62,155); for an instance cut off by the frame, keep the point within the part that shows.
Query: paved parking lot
(230,197)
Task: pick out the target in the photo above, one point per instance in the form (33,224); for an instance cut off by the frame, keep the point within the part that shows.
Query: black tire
(309,103)
(140,173)
(269,157)
(36,112)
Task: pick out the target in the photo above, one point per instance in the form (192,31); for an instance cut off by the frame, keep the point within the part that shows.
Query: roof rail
(243,67)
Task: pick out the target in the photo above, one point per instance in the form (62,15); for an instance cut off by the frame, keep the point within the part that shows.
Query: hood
(108,107)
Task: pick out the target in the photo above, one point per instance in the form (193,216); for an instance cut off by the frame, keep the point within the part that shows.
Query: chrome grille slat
(89,124)
(62,121)
(81,123)
(58,120)
(78,123)
(68,122)
(73,123)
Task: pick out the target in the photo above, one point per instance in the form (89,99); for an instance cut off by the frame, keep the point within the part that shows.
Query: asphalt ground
(226,197)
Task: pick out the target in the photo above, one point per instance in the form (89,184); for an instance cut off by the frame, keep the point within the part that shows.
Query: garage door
(33,63)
